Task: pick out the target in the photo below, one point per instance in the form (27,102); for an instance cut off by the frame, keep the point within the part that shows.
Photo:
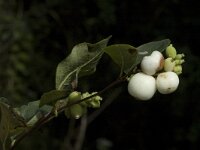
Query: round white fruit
(142,86)
(153,63)
(167,82)
(157,54)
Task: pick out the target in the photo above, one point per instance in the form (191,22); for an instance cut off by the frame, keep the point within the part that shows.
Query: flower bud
(74,96)
(178,69)
(179,61)
(75,111)
(93,102)
(84,95)
(171,51)
(179,56)
(169,64)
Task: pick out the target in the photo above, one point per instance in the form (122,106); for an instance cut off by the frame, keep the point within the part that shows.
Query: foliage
(10,124)
(124,55)
(82,61)
(51,27)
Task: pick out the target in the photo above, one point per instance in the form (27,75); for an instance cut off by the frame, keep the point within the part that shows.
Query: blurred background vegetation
(36,35)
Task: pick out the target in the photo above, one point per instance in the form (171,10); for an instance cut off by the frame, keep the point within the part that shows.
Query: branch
(52,115)
(81,135)
(107,102)
(67,141)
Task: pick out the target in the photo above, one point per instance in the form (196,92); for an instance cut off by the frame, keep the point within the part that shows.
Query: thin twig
(51,115)
(67,141)
(81,135)
(29,131)
(107,102)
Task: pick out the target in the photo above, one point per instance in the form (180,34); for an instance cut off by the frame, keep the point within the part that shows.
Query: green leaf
(51,97)
(81,62)
(148,48)
(10,122)
(32,110)
(122,54)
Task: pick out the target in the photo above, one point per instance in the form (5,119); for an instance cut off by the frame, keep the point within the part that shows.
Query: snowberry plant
(157,73)
(148,68)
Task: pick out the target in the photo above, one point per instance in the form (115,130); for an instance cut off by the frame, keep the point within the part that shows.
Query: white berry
(167,82)
(153,63)
(142,86)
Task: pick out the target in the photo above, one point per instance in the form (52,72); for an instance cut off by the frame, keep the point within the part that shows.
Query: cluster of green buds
(93,102)
(174,61)
(76,111)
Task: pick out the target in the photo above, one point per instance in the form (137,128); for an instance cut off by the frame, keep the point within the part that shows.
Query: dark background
(36,35)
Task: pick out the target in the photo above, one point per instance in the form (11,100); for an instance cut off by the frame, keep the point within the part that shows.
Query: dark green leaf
(148,48)
(10,122)
(81,62)
(51,97)
(32,109)
(122,54)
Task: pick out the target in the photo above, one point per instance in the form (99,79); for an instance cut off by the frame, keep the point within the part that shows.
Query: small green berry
(179,56)
(84,95)
(171,51)
(178,69)
(179,61)
(169,64)
(74,96)
(94,104)
(75,111)
(98,98)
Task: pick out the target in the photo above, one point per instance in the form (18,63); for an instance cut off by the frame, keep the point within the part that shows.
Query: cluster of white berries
(143,85)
